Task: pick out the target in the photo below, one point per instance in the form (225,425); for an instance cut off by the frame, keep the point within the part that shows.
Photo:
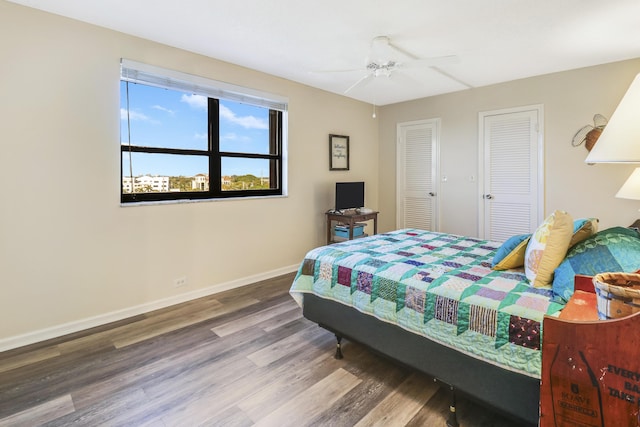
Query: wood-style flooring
(244,357)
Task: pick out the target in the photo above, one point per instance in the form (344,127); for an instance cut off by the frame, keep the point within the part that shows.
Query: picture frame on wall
(338,152)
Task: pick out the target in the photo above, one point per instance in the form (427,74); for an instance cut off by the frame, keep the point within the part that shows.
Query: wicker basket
(618,294)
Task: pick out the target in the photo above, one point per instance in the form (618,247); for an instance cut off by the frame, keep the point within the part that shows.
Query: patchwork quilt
(437,285)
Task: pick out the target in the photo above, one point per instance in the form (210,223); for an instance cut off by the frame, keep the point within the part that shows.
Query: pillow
(613,249)
(582,229)
(511,253)
(547,248)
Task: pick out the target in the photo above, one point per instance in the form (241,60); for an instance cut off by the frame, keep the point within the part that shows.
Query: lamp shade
(631,187)
(620,140)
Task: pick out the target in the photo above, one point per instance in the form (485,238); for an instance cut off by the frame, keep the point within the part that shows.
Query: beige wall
(69,252)
(570,100)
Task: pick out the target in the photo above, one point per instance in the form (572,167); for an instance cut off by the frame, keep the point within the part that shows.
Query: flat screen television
(349,195)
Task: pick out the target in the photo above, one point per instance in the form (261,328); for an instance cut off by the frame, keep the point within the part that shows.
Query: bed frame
(516,395)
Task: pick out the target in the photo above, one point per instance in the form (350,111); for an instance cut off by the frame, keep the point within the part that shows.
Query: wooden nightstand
(350,219)
(590,367)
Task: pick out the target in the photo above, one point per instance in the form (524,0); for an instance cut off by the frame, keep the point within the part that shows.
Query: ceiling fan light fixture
(383,69)
(382,72)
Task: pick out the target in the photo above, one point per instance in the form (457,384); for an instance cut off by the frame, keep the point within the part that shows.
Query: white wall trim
(102,319)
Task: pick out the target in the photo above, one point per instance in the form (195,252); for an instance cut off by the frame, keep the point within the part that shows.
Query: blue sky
(167,118)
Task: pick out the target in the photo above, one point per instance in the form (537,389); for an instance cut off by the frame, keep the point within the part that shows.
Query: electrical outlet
(180,281)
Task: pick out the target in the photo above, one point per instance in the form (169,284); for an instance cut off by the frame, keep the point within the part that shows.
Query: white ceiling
(494,40)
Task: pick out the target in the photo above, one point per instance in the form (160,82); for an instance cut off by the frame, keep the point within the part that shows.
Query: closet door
(512,168)
(417,169)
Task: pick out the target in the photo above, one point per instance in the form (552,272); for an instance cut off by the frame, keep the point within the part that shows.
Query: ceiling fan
(385,59)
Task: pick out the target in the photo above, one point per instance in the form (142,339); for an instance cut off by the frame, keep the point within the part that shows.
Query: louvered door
(511,159)
(416,175)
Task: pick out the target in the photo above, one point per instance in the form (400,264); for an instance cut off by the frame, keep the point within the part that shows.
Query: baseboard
(91,322)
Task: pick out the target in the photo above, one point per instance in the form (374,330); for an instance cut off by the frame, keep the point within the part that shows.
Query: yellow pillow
(583,229)
(547,248)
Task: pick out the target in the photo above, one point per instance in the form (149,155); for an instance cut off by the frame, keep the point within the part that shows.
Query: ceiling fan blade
(365,79)
(431,62)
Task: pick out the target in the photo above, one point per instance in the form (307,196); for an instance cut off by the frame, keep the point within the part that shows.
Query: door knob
(432,194)
(488,196)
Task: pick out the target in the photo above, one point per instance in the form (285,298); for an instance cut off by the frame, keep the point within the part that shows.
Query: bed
(433,302)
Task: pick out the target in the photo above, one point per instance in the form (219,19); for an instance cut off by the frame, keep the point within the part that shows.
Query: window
(187,137)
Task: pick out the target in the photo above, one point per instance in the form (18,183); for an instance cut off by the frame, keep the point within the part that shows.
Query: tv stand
(349,218)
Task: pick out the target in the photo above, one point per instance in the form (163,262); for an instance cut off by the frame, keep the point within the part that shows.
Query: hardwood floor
(244,357)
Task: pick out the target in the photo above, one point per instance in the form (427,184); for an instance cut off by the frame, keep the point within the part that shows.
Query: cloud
(234,137)
(198,102)
(248,122)
(200,136)
(161,108)
(133,115)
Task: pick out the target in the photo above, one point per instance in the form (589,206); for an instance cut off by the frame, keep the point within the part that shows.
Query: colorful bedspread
(437,285)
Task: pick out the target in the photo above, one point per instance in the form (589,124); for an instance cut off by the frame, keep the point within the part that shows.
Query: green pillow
(615,249)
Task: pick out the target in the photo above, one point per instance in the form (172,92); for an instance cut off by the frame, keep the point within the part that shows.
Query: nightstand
(350,218)
(590,367)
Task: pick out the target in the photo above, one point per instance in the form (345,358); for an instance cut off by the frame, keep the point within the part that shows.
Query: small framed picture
(338,153)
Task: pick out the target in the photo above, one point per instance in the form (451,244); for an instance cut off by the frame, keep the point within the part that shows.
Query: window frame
(134,72)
